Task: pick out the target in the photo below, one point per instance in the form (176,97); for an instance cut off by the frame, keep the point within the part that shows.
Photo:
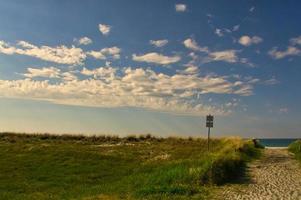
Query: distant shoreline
(277,143)
(267,147)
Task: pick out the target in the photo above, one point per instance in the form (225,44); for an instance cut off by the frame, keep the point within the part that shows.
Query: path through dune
(275,176)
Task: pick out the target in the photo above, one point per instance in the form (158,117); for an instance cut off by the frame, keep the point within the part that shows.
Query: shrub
(257,144)
(229,165)
(295,148)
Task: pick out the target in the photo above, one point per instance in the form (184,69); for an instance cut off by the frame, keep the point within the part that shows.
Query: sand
(277,175)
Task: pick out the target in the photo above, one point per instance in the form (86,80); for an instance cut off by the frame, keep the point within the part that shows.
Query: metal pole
(208,138)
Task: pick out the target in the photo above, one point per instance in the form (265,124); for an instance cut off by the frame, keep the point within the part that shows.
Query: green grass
(78,167)
(295,147)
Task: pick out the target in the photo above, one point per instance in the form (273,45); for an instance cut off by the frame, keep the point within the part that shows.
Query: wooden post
(208,138)
(209,124)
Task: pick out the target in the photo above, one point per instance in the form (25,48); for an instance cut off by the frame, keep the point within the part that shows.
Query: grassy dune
(78,167)
(295,147)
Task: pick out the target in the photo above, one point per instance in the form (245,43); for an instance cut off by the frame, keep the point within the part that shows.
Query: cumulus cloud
(192,44)
(226,55)
(290,51)
(247,41)
(113,52)
(48,72)
(83,41)
(158,43)
(101,72)
(97,55)
(59,54)
(68,76)
(296,41)
(219,32)
(142,88)
(156,58)
(190,69)
(180,7)
(104,29)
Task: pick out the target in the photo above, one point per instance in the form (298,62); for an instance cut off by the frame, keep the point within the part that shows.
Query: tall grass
(105,167)
(295,147)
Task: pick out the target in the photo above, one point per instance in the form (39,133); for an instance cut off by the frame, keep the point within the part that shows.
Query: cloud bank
(126,87)
(59,54)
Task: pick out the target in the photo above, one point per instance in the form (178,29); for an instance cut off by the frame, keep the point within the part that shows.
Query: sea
(276,142)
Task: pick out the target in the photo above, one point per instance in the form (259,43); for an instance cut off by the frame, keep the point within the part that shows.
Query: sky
(159,67)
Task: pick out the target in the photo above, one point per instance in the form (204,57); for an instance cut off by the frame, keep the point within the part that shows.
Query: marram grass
(295,148)
(145,167)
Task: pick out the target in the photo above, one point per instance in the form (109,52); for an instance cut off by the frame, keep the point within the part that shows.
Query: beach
(277,175)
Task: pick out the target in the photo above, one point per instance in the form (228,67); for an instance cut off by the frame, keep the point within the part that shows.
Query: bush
(257,144)
(229,166)
(227,169)
(295,148)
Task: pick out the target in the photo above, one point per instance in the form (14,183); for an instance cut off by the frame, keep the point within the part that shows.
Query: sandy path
(275,176)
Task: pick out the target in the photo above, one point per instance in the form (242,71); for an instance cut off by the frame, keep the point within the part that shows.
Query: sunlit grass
(104,167)
(295,147)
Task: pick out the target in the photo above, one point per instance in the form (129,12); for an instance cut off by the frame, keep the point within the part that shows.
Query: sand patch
(277,175)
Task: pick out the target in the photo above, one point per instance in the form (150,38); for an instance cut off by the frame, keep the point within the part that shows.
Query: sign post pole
(209,124)
(208,138)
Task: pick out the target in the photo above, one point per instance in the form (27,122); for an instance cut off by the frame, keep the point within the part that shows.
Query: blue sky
(136,67)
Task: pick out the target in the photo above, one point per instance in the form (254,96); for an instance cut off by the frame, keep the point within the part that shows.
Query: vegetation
(258,144)
(106,167)
(295,147)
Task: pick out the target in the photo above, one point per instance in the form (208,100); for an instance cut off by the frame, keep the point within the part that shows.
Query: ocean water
(279,142)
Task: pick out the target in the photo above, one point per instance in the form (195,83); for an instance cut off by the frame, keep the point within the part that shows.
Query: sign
(209,124)
(209,121)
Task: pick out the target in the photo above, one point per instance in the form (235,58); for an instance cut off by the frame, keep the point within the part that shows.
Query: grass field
(295,147)
(78,167)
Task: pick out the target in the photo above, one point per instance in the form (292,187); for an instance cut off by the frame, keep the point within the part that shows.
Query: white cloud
(272,81)
(190,69)
(180,7)
(49,72)
(290,51)
(68,76)
(247,41)
(236,27)
(296,41)
(191,44)
(26,45)
(128,88)
(226,55)
(252,9)
(158,43)
(156,58)
(104,29)
(219,32)
(97,55)
(83,41)
(107,73)
(59,54)
(113,52)
(247,62)
(46,72)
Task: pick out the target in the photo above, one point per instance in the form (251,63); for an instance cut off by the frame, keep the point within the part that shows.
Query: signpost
(209,124)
